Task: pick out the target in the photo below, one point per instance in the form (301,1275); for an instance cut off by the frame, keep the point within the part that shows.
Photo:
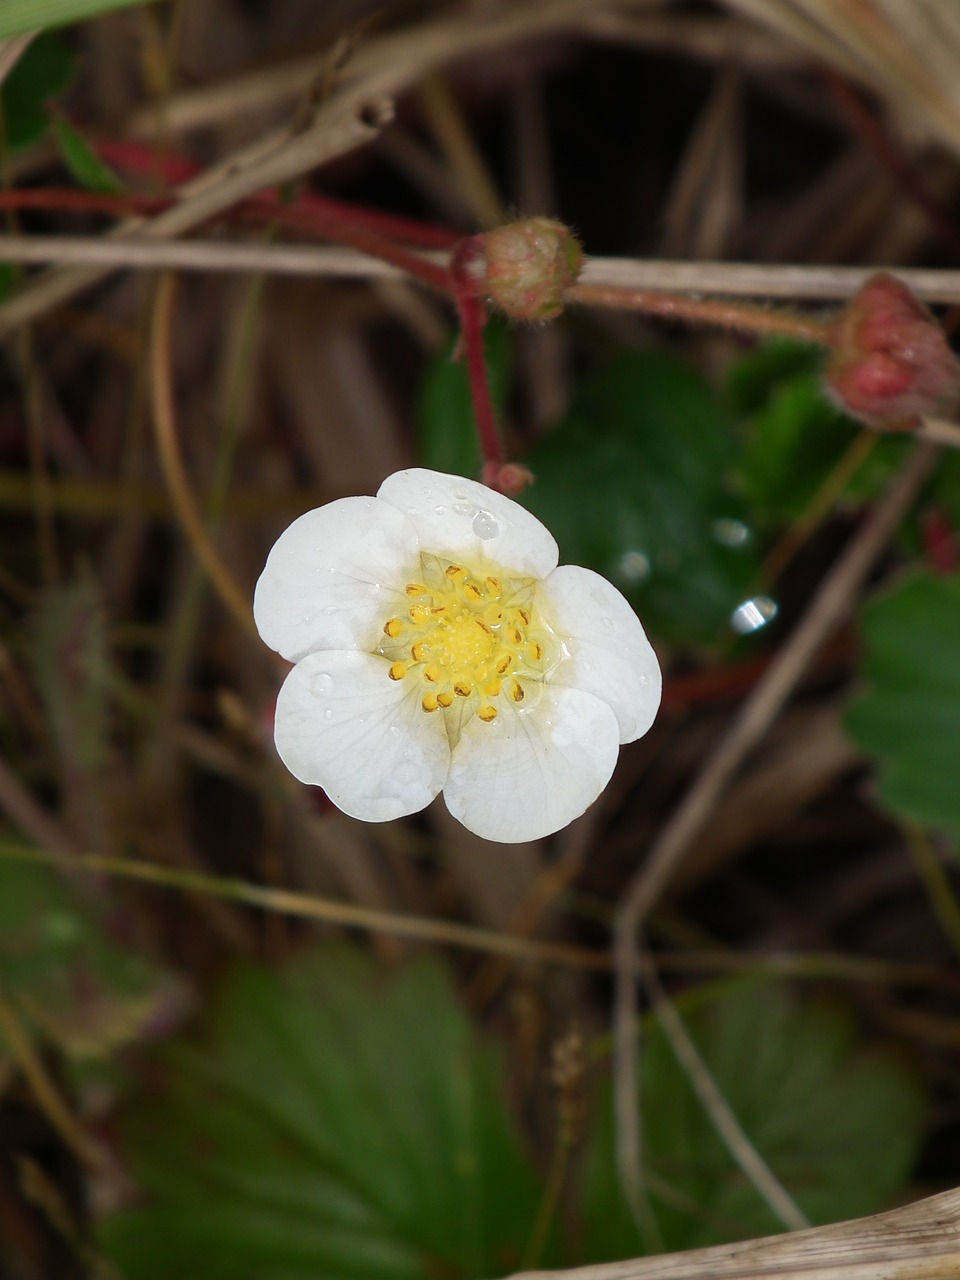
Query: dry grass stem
(832,603)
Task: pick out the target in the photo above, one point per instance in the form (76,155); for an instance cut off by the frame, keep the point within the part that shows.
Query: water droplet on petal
(753,614)
(328,714)
(412,511)
(461,495)
(462,508)
(395,730)
(322,682)
(485,526)
(439,511)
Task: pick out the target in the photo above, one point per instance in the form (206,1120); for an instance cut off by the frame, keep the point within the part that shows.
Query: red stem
(472,319)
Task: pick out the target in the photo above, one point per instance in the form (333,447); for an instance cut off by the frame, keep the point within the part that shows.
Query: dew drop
(322,682)
(635,566)
(328,714)
(461,495)
(731,533)
(753,614)
(395,731)
(484,525)
(439,511)
(462,508)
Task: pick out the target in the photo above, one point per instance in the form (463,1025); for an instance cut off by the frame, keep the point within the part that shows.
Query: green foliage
(43,71)
(908,716)
(634,483)
(447,433)
(839,1124)
(82,161)
(17,16)
(334,1123)
(795,435)
(76,987)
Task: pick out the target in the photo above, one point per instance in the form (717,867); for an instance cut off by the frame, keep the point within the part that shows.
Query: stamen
(433,672)
(515,635)
(416,589)
(393,628)
(430,702)
(524,617)
(535,651)
(445,699)
(462,689)
(505,663)
(494,586)
(472,591)
(455,571)
(487,714)
(516,691)
(398,671)
(419,651)
(492,690)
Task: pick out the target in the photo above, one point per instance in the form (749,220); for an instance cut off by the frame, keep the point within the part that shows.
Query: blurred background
(211,1062)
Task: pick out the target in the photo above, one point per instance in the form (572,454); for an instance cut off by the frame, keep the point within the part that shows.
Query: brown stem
(741,317)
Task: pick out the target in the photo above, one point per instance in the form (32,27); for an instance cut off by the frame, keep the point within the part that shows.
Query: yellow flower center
(469,639)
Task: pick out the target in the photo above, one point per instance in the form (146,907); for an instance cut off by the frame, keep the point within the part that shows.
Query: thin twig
(728,1128)
(46,1093)
(832,603)
(230,592)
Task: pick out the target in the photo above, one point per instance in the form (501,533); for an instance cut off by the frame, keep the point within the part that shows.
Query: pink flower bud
(890,362)
(522,268)
(507,477)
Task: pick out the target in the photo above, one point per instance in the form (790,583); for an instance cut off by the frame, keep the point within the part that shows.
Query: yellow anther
(462,689)
(492,689)
(516,691)
(416,589)
(487,713)
(494,586)
(420,613)
(419,651)
(455,571)
(445,699)
(505,663)
(430,702)
(398,671)
(515,635)
(535,651)
(472,591)
(433,672)
(393,628)
(524,616)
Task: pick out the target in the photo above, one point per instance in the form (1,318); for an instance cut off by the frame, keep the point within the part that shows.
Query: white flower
(438,647)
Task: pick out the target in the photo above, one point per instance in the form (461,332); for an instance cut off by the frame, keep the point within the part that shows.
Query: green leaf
(634,484)
(447,432)
(839,1124)
(83,162)
(334,1122)
(79,989)
(44,71)
(908,716)
(17,16)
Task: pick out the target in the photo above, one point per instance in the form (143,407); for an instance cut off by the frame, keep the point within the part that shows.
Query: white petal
(333,577)
(469,520)
(344,725)
(529,773)
(610,655)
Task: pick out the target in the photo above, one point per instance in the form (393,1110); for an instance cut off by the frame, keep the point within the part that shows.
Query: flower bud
(890,362)
(522,268)
(507,477)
